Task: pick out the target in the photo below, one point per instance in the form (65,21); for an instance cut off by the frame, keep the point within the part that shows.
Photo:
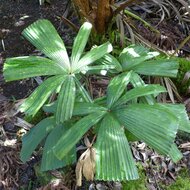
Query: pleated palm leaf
(142,61)
(155,124)
(64,72)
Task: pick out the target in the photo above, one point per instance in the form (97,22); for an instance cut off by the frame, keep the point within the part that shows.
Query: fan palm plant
(64,71)
(134,111)
(128,107)
(124,111)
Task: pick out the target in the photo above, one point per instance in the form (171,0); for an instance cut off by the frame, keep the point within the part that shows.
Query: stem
(140,19)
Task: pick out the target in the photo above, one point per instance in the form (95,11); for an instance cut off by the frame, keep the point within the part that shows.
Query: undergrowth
(139,184)
(182,182)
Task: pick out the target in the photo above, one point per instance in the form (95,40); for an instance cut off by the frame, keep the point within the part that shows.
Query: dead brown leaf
(185,146)
(86,166)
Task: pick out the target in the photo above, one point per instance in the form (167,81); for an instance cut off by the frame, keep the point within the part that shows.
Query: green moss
(139,184)
(184,67)
(182,182)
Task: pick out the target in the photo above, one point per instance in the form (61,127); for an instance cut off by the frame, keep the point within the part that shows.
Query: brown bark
(98,12)
(83,7)
(103,15)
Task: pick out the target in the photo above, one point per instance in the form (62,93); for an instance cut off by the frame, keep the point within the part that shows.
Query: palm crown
(64,71)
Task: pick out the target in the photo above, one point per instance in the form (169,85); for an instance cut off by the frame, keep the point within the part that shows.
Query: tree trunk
(103,15)
(83,7)
(98,12)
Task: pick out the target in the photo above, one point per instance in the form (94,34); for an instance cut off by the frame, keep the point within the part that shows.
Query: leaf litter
(158,168)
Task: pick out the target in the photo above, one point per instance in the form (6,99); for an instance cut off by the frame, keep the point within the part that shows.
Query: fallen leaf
(185,146)
(89,164)
(85,166)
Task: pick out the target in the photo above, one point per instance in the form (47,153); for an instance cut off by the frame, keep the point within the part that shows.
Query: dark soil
(15,16)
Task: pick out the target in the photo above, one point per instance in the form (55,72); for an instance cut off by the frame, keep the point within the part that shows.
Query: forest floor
(157,171)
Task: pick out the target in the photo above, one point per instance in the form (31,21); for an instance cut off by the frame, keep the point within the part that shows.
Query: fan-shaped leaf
(109,60)
(80,108)
(114,160)
(116,87)
(80,42)
(83,91)
(134,55)
(179,111)
(44,36)
(139,92)
(98,69)
(36,100)
(166,68)
(33,138)
(29,66)
(49,160)
(136,81)
(84,108)
(175,154)
(75,133)
(153,124)
(66,100)
(93,55)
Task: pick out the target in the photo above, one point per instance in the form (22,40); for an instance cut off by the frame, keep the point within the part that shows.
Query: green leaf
(101,101)
(109,60)
(80,42)
(83,91)
(139,92)
(33,138)
(49,160)
(130,136)
(114,160)
(153,124)
(75,133)
(165,68)
(84,108)
(80,108)
(179,111)
(36,100)
(44,36)
(97,69)
(29,66)
(66,100)
(116,87)
(93,55)
(136,81)
(175,154)
(50,108)
(134,55)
